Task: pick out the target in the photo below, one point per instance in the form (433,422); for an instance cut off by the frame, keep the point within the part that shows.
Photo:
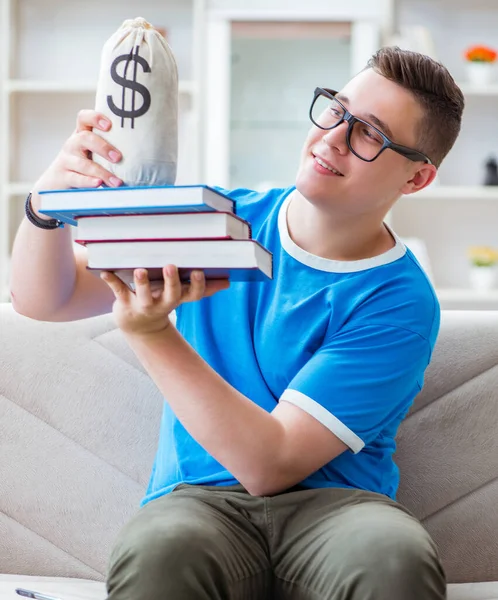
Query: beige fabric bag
(138,91)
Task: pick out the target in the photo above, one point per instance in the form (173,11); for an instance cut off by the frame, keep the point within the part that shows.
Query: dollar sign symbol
(132,84)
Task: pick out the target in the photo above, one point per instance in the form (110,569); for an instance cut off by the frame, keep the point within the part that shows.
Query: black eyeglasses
(364,140)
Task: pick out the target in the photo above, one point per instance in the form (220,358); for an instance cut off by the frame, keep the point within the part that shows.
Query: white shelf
(18,188)
(73,87)
(467,299)
(34,86)
(467,294)
(470,89)
(456,192)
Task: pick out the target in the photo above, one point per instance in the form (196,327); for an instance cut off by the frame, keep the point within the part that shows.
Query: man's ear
(423,177)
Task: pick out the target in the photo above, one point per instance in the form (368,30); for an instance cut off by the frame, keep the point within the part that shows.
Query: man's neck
(333,236)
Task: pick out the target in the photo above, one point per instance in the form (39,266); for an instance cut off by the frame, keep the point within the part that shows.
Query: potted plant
(483,261)
(480,64)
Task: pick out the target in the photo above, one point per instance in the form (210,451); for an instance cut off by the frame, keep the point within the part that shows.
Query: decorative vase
(480,73)
(491,177)
(483,279)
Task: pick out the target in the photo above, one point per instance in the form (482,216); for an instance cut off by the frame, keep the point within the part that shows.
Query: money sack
(138,91)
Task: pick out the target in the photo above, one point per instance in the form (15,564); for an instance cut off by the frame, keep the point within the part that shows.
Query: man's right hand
(73,167)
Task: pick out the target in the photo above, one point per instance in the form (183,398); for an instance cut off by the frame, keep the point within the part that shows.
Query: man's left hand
(146,311)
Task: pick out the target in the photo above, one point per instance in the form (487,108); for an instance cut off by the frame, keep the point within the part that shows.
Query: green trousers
(220,543)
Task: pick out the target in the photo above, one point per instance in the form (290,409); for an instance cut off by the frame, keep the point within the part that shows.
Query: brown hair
(434,88)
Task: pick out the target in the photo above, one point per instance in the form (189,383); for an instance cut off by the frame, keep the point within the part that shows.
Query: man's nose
(336,137)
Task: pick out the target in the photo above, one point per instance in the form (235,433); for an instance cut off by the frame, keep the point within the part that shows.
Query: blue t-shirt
(347,342)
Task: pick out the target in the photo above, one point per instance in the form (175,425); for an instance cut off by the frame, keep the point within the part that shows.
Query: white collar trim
(334,266)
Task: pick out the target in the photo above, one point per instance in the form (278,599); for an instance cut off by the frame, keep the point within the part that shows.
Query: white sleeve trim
(325,417)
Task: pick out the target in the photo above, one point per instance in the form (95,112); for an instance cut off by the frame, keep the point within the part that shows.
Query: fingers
(73,166)
(76,180)
(119,288)
(197,287)
(88,168)
(172,294)
(143,290)
(75,157)
(176,293)
(90,119)
(216,285)
(156,288)
(87,141)
(173,289)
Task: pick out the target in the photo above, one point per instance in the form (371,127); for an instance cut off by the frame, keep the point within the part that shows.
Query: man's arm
(49,280)
(267,453)
(360,381)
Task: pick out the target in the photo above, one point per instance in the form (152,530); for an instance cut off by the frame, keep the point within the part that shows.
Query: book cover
(218,258)
(68,205)
(174,226)
(156,277)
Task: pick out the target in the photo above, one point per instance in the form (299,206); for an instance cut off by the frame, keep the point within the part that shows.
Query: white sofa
(79,424)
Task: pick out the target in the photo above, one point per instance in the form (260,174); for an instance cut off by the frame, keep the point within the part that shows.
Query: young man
(274,475)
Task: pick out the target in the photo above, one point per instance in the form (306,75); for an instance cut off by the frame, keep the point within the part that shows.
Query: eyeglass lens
(327,113)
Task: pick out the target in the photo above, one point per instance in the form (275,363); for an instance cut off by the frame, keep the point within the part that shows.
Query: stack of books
(192,227)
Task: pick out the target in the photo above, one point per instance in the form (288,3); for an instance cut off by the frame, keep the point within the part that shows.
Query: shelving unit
(455,192)
(449,219)
(459,212)
(462,299)
(476,90)
(45,78)
(18,189)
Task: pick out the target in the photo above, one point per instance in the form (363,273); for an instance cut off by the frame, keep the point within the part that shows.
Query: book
(198,225)
(67,205)
(238,260)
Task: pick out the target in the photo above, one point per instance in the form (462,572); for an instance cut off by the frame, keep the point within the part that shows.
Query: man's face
(363,187)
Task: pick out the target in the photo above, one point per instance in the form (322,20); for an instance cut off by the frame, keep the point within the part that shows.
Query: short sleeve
(361,381)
